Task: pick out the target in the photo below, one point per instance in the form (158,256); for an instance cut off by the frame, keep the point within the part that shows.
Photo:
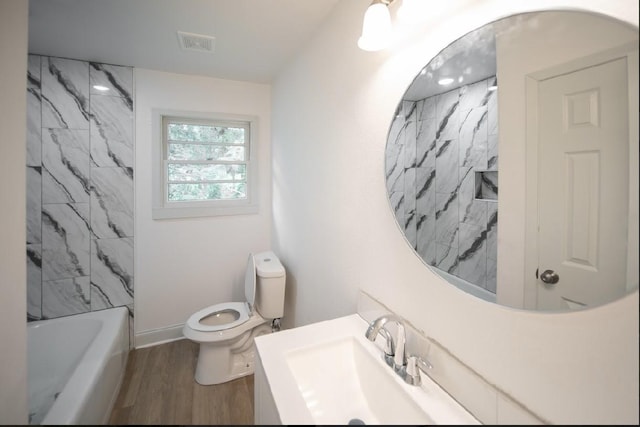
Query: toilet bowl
(226,331)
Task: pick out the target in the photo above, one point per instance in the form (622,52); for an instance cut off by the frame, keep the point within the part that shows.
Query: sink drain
(356,422)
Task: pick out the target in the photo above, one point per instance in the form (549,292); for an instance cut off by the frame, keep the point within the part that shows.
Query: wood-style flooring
(159,388)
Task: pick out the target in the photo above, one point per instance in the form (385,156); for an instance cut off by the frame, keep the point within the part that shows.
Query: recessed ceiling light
(100,88)
(445,81)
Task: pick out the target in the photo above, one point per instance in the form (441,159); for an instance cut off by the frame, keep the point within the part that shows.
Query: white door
(583,178)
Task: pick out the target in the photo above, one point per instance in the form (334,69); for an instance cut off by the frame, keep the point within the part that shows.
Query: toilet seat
(201,333)
(239,310)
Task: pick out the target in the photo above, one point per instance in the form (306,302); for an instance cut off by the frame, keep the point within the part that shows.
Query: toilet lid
(250,281)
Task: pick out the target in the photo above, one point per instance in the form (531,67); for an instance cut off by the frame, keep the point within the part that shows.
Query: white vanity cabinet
(264,407)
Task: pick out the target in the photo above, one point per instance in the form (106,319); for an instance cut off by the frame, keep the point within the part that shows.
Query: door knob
(550,277)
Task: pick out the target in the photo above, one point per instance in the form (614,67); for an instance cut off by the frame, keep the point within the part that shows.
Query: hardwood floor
(159,388)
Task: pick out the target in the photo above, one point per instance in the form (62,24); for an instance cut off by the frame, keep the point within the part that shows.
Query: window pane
(221,191)
(204,152)
(204,133)
(182,172)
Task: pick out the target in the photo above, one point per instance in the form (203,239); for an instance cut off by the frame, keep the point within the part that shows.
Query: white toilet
(226,331)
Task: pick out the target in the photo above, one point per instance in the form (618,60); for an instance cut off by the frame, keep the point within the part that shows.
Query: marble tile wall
(79,187)
(435,148)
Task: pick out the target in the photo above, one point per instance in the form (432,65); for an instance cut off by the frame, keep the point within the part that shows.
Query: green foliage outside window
(206,161)
(205,133)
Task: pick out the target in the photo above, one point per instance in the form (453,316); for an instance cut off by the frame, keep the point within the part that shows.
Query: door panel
(583,186)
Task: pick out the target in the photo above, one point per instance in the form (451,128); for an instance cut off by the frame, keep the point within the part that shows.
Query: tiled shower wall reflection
(79,187)
(435,147)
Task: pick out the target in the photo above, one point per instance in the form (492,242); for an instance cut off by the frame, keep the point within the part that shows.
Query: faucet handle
(423,364)
(415,364)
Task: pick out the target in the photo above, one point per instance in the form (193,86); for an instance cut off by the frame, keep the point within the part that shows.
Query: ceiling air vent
(196,42)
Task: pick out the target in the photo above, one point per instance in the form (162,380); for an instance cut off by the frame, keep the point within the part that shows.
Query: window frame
(163,208)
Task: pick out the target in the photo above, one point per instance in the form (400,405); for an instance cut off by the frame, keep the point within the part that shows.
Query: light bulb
(376,28)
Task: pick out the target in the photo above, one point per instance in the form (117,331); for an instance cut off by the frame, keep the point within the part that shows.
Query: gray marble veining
(447,155)
(426,109)
(472,257)
(117,79)
(34,204)
(111,203)
(487,185)
(65,93)
(471,210)
(426,144)
(111,273)
(65,240)
(473,95)
(65,297)
(433,178)
(65,166)
(79,177)
(447,115)
(397,206)
(492,231)
(492,152)
(426,242)
(34,111)
(34,282)
(409,204)
(409,140)
(111,132)
(473,138)
(447,219)
(446,258)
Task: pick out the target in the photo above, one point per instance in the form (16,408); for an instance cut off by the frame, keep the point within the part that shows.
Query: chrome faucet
(399,358)
(408,367)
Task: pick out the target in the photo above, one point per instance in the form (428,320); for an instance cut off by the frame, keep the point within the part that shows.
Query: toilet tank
(270,281)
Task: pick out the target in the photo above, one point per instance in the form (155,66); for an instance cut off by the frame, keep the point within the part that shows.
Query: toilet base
(222,362)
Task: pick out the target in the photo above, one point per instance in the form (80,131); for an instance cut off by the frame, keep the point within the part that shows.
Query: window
(208,166)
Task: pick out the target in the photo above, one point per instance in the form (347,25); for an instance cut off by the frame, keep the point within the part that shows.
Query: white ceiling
(254,38)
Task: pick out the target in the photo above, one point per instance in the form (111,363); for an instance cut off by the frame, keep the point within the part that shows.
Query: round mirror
(512,161)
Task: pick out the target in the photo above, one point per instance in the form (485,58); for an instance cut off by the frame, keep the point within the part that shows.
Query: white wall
(335,232)
(183,265)
(13,279)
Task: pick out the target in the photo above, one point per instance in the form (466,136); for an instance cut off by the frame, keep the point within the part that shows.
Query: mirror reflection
(512,161)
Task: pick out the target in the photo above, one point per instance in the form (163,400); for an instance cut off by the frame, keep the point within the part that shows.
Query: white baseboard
(158,336)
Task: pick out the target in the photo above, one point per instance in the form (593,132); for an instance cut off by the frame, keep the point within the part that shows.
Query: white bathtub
(76,365)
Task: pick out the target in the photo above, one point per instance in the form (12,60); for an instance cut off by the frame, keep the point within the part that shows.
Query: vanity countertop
(275,352)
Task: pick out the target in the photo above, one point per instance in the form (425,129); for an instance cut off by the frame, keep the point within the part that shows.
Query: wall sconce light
(376,27)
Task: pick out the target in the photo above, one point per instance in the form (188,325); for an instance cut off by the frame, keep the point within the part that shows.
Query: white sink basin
(329,373)
(341,382)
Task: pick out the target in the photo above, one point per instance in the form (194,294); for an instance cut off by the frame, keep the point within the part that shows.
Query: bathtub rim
(73,401)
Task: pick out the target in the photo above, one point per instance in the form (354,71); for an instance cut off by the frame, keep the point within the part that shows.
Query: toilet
(226,331)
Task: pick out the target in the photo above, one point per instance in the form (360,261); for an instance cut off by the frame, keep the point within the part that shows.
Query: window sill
(159,213)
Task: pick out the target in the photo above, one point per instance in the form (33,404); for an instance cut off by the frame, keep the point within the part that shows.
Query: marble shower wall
(79,187)
(438,152)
